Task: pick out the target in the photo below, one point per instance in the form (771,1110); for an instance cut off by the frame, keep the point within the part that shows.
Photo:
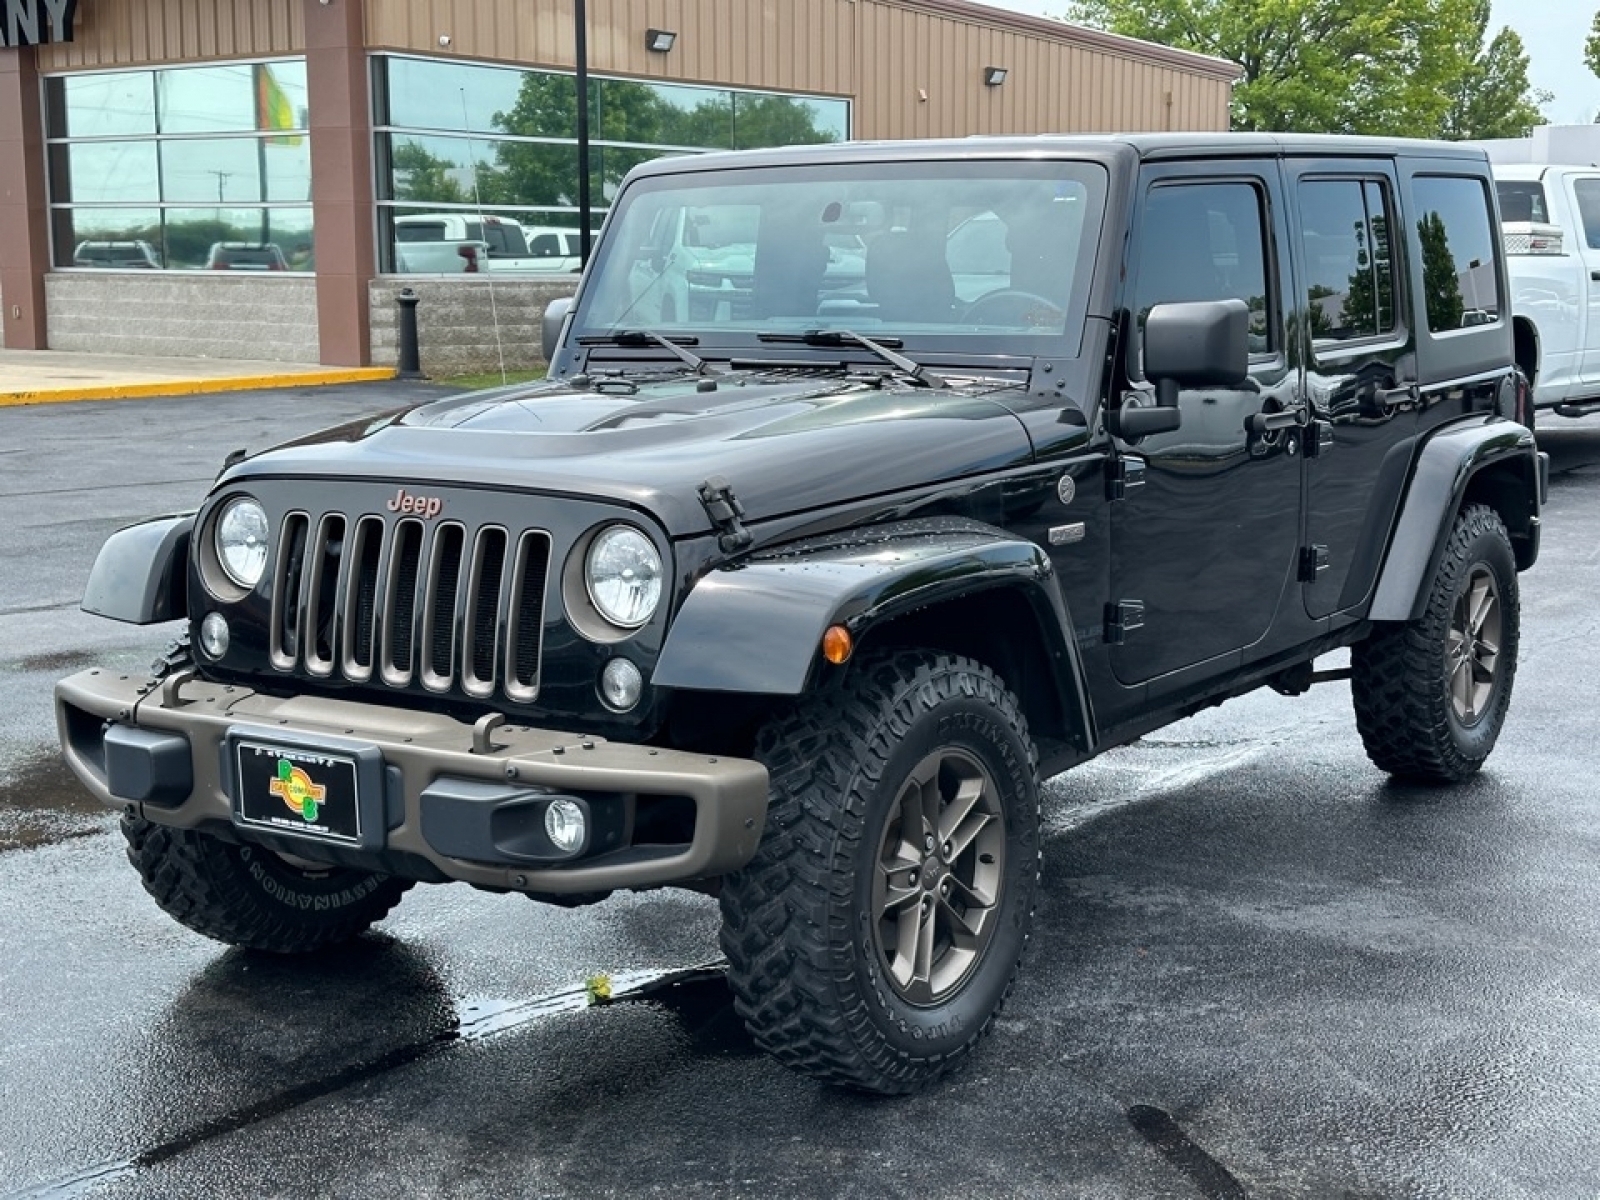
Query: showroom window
(190,168)
(458,142)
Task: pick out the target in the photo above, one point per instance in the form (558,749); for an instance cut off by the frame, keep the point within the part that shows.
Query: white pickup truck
(1550,218)
(467,243)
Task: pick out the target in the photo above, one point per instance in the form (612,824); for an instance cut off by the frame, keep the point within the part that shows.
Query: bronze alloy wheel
(940,869)
(1472,646)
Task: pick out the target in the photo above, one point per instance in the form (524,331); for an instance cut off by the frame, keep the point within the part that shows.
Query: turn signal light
(837,644)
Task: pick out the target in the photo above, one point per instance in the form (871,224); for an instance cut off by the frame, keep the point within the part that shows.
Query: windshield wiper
(646,337)
(846,337)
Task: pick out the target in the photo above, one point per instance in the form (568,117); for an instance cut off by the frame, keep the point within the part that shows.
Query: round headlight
(623,575)
(242,541)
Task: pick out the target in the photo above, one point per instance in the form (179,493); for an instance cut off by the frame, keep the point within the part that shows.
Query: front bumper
(449,800)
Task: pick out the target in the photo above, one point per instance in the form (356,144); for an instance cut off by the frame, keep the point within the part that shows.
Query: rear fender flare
(1459,458)
(756,627)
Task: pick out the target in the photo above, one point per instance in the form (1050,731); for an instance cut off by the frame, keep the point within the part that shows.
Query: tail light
(470,253)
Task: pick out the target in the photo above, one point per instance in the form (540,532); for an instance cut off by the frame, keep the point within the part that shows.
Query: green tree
(420,175)
(1494,99)
(1591,49)
(1441,285)
(1324,66)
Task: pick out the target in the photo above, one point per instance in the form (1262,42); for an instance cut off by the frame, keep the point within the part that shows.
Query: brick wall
(456,320)
(199,315)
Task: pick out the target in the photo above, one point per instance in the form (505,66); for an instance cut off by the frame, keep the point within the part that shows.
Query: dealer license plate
(294,790)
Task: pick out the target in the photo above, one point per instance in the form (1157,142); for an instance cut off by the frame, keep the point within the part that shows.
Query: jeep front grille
(406,602)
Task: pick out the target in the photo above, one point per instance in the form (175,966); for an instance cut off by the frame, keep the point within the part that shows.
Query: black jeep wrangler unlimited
(872,484)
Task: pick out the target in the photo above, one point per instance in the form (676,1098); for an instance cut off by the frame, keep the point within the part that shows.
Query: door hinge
(724,510)
(1319,438)
(1122,616)
(1122,474)
(1313,561)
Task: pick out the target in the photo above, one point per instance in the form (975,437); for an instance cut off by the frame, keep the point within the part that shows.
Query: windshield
(926,252)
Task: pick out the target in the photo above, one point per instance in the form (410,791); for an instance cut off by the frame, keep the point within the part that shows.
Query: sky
(1552,31)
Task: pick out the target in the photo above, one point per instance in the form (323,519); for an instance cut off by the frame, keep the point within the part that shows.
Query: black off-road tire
(249,896)
(1401,675)
(802,929)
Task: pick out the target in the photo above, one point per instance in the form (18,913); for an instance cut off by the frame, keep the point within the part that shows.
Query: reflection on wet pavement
(250,1018)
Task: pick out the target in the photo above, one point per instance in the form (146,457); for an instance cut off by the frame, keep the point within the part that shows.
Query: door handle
(1396,396)
(1265,422)
(1595,275)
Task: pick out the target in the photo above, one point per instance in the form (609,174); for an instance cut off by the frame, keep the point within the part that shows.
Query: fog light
(564,825)
(621,684)
(214,635)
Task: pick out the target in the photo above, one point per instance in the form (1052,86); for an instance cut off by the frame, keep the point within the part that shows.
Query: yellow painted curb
(191,387)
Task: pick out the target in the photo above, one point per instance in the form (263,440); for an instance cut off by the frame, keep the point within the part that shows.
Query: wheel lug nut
(946,850)
(911,878)
(944,888)
(927,842)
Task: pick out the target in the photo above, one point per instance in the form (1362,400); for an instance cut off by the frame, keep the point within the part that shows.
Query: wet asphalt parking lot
(1258,969)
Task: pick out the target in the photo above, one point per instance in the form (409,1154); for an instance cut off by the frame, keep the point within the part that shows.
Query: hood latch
(724,510)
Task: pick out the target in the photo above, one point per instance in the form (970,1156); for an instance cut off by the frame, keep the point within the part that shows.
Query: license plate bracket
(321,789)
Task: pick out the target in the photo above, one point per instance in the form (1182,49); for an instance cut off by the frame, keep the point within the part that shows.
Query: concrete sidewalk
(52,376)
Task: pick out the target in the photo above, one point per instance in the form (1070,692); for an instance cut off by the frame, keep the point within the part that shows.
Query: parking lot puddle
(42,803)
(698,995)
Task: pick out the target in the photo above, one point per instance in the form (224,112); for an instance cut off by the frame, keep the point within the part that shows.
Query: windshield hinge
(724,510)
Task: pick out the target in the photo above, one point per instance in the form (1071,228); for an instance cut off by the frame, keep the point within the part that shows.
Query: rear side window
(1205,241)
(1344,237)
(1522,200)
(419,231)
(1456,235)
(1588,193)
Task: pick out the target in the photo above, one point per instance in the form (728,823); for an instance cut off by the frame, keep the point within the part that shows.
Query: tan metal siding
(786,45)
(111,33)
(883,53)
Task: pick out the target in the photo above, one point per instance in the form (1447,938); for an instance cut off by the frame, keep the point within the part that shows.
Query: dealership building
(240,178)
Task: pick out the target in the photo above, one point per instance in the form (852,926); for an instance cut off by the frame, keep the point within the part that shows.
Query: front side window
(939,249)
(1456,234)
(1204,241)
(1349,266)
(468,137)
(182,168)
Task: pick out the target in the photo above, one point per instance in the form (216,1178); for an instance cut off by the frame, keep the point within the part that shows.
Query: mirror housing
(555,317)
(1202,343)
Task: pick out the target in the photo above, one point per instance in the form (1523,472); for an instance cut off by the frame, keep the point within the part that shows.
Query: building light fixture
(994,76)
(659,41)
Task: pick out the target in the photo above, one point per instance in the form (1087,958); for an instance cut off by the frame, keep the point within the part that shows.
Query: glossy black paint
(1202,532)
(757,627)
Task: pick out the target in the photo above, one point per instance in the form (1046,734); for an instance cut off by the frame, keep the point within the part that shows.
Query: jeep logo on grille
(406,504)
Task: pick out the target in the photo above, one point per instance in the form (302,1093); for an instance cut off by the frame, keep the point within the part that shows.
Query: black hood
(786,441)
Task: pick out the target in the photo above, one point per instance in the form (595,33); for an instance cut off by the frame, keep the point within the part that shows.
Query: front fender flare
(1439,481)
(141,573)
(756,627)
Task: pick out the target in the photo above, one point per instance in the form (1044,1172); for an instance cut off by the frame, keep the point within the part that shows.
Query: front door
(1583,199)
(1206,533)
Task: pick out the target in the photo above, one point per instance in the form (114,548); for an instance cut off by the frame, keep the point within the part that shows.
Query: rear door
(1361,377)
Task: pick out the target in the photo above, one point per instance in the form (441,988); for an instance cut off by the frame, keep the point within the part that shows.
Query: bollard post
(408,363)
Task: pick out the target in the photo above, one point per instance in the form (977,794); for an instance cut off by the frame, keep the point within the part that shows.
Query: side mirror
(555,316)
(1204,343)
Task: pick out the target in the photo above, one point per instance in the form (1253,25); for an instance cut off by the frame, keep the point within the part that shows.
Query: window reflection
(465,135)
(1460,288)
(244,192)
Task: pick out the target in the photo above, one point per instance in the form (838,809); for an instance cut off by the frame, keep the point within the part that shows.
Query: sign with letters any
(34,22)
